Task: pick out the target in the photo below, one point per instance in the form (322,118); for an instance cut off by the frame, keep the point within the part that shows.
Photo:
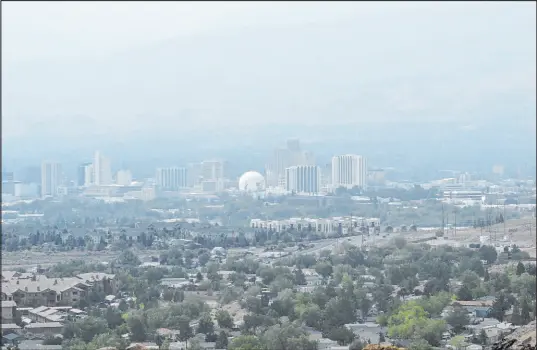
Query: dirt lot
(523,235)
(28,259)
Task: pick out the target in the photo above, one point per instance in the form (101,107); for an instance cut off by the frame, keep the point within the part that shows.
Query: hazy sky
(106,66)
(68,29)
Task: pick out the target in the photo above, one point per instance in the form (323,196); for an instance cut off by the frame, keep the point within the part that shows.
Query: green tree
(516,317)
(342,335)
(483,337)
(113,318)
(432,331)
(88,327)
(222,340)
(525,311)
(300,278)
(324,269)
(420,344)
(246,342)
(128,258)
(205,324)
(499,307)
(520,269)
(137,328)
(224,319)
(464,294)
(382,337)
(286,336)
(458,318)
(185,331)
(486,276)
(357,344)
(488,253)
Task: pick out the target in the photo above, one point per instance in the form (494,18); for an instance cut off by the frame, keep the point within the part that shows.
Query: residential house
(9,310)
(101,282)
(143,346)
(367,331)
(478,308)
(9,328)
(170,334)
(42,291)
(208,345)
(322,343)
(10,339)
(179,283)
(44,314)
(36,345)
(45,328)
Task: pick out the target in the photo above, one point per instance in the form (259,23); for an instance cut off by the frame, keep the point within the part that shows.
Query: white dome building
(251,181)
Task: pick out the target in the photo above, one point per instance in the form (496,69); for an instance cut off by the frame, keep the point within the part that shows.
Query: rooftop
(8,303)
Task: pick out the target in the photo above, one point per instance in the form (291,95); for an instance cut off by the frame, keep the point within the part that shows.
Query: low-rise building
(45,328)
(38,290)
(9,309)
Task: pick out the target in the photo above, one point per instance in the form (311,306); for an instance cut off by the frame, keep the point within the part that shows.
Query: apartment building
(172,179)
(303,179)
(349,171)
(42,291)
(324,225)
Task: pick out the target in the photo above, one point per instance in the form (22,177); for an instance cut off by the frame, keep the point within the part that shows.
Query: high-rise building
(284,158)
(51,178)
(102,170)
(303,179)
(171,179)
(89,175)
(349,171)
(193,174)
(82,174)
(213,170)
(124,178)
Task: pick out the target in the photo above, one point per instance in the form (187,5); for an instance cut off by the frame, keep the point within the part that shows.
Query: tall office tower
(193,174)
(89,175)
(303,179)
(213,170)
(349,171)
(284,158)
(124,178)
(81,174)
(51,178)
(102,170)
(171,179)
(326,175)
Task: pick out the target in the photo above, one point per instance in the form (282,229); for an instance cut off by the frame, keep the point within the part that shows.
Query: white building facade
(346,225)
(171,179)
(303,179)
(102,170)
(349,171)
(51,178)
(124,178)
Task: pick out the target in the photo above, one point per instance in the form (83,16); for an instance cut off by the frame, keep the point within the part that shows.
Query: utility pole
(443,219)
(503,219)
(455,224)
(362,225)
